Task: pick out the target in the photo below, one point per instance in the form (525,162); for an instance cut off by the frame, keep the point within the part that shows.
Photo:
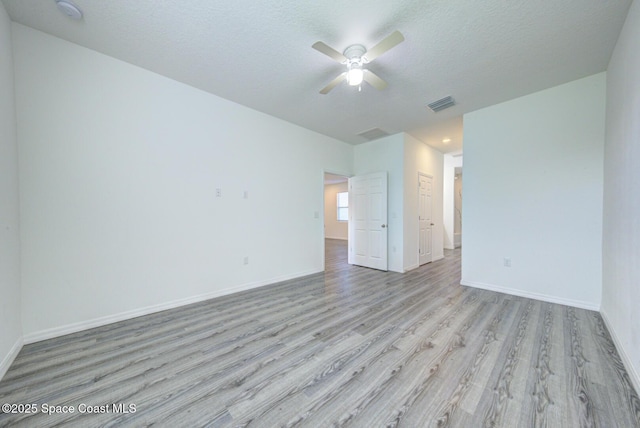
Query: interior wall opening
(336,214)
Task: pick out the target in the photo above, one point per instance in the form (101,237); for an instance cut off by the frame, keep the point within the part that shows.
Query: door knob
(433,224)
(383,226)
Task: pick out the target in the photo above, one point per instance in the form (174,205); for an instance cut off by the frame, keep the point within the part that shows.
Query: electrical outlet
(218,192)
(507,262)
(246,260)
(246,194)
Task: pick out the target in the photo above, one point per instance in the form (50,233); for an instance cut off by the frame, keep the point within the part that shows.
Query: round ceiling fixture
(69,9)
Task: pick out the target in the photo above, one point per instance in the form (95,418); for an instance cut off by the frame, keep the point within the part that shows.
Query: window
(343,206)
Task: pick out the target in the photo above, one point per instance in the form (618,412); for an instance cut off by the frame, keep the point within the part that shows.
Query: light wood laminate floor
(350,347)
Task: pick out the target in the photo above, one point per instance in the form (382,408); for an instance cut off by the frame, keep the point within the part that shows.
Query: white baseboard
(122,316)
(531,295)
(340,238)
(633,373)
(412,267)
(8,359)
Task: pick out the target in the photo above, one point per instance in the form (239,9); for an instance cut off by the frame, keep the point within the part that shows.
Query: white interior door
(425,219)
(368,220)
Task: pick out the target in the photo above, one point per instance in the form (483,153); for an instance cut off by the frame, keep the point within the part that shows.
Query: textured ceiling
(258,53)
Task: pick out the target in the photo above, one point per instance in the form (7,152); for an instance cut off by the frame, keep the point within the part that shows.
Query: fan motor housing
(354,52)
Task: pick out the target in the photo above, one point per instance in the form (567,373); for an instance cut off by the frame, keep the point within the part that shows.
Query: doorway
(336,218)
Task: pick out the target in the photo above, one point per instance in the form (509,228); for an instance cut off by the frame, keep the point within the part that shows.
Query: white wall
(119,175)
(10,321)
(533,172)
(387,154)
(621,234)
(403,156)
(418,157)
(448,199)
(333,228)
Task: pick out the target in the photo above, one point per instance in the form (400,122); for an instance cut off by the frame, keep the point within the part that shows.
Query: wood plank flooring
(349,347)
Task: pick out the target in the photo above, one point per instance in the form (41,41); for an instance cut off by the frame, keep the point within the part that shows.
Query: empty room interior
(283,213)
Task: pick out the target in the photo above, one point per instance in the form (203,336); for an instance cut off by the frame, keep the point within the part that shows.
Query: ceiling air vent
(441,104)
(373,134)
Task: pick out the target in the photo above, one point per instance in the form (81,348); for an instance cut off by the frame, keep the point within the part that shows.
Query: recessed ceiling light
(446,140)
(69,9)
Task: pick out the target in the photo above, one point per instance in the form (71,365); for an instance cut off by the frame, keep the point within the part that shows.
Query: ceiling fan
(355,57)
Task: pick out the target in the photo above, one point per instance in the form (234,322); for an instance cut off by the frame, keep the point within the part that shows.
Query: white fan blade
(371,78)
(390,41)
(329,51)
(335,82)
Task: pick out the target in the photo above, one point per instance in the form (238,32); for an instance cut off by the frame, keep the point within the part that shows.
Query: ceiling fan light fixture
(354,57)
(355,76)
